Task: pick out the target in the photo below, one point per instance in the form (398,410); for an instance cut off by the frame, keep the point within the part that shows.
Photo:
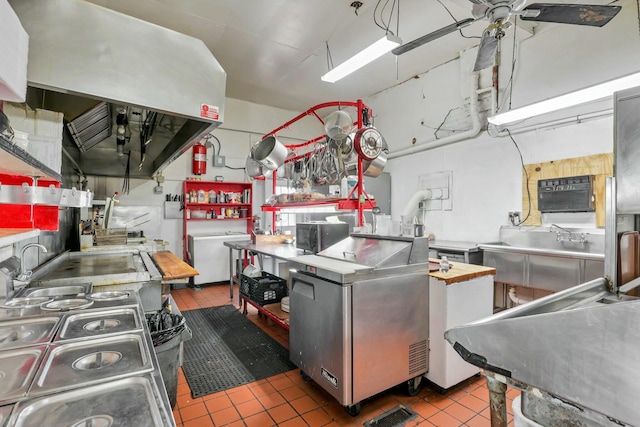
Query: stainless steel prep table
(275,251)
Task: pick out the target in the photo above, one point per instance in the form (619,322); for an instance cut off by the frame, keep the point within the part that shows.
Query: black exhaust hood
(108,72)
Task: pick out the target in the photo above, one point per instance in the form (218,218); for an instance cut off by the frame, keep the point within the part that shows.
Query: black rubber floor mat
(395,417)
(227,350)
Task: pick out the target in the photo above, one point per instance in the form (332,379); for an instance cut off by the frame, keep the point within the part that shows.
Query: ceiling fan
(499,12)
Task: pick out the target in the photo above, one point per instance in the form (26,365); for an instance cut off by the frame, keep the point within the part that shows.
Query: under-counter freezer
(209,256)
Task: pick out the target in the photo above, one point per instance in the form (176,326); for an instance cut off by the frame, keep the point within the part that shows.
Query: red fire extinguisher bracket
(199,159)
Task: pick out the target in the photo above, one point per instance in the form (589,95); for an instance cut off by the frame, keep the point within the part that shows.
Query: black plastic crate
(267,289)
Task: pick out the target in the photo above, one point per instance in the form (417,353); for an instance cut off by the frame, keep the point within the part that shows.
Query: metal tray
(90,324)
(26,302)
(108,296)
(67,304)
(81,363)
(26,332)
(125,402)
(17,370)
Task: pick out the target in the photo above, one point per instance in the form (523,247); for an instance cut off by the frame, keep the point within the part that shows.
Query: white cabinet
(452,305)
(14,53)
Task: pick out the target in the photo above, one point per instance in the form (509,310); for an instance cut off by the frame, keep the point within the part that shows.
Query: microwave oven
(317,236)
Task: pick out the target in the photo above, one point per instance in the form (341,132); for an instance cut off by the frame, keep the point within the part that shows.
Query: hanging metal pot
(374,167)
(254,169)
(270,153)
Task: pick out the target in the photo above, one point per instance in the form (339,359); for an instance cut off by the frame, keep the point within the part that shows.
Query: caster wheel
(353,410)
(413,385)
(305,376)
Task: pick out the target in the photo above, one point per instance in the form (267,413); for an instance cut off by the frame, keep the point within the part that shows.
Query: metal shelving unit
(362,201)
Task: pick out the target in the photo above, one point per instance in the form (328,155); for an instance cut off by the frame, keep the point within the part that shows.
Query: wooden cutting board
(628,259)
(172,267)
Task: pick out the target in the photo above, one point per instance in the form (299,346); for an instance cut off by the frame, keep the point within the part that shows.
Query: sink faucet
(26,274)
(582,239)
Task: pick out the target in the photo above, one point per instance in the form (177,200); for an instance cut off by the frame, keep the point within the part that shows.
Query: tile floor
(287,400)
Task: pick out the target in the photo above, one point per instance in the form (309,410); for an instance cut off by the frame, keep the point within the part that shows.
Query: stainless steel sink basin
(568,242)
(55,291)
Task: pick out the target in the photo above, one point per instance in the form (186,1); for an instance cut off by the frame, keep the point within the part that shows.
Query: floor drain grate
(392,418)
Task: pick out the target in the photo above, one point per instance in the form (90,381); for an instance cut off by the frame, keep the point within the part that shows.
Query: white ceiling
(274,51)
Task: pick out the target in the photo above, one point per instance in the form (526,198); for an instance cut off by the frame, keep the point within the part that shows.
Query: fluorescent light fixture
(572,99)
(369,54)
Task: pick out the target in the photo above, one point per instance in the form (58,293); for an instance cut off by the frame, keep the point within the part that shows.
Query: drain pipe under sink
(476,126)
(515,298)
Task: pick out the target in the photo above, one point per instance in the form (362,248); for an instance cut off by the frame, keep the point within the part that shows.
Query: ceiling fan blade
(577,14)
(432,36)
(487,51)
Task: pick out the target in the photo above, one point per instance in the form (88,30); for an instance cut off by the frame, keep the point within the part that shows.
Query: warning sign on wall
(209,111)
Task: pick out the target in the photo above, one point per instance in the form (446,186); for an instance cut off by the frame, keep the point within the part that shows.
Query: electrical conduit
(476,126)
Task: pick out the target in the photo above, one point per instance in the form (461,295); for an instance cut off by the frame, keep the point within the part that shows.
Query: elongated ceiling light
(572,99)
(362,58)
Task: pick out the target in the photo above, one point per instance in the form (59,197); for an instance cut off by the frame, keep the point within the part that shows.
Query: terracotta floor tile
(249,408)
(282,383)
(259,420)
(304,404)
(459,412)
(282,413)
(440,402)
(295,422)
(442,419)
(473,403)
(478,421)
(193,411)
(238,423)
(424,409)
(262,389)
(481,393)
(292,393)
(183,389)
(241,396)
(218,403)
(271,400)
(317,418)
(186,400)
(225,416)
(204,421)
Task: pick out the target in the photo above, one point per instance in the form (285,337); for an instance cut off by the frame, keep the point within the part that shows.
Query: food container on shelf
(198,214)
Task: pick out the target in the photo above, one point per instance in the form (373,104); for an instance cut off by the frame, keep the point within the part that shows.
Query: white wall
(487,172)
(245,123)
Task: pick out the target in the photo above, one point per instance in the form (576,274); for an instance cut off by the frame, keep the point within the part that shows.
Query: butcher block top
(461,272)
(172,267)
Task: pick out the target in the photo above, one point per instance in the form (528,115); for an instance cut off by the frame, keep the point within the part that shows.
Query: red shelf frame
(363,201)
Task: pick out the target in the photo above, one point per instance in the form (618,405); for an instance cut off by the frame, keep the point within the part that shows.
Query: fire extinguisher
(199,159)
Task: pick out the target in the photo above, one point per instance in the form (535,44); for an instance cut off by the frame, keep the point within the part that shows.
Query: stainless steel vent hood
(81,55)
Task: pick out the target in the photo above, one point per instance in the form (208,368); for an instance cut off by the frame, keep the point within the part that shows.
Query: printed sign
(209,111)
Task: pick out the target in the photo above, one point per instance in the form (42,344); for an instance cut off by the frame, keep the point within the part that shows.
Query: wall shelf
(243,194)
(340,204)
(15,161)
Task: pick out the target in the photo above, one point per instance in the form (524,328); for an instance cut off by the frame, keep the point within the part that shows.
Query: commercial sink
(551,258)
